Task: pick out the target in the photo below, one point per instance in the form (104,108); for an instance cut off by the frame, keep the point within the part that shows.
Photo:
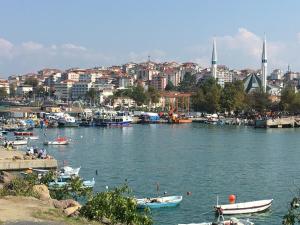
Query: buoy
(231,199)
(189,193)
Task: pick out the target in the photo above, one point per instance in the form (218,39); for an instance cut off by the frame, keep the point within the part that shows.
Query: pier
(285,122)
(13,160)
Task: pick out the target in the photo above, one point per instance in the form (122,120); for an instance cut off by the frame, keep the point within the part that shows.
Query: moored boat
(69,171)
(23,133)
(67,121)
(62,181)
(58,141)
(231,221)
(244,207)
(113,119)
(159,202)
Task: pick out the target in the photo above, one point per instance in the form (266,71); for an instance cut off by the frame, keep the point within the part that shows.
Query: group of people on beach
(39,153)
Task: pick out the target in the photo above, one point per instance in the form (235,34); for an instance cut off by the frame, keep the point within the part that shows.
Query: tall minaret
(214,60)
(264,63)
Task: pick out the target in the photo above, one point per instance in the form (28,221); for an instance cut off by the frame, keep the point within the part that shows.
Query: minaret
(214,60)
(264,63)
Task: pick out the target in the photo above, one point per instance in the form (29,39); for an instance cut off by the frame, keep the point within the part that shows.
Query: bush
(115,206)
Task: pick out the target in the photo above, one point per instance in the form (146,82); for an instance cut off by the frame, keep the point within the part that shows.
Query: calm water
(208,161)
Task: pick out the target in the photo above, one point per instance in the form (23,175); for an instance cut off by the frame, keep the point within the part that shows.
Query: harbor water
(206,160)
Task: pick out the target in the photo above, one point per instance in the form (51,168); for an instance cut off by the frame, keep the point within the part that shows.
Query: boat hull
(113,124)
(166,202)
(244,208)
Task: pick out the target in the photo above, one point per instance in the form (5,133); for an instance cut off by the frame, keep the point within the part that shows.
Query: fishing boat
(231,221)
(61,181)
(159,202)
(113,119)
(58,141)
(27,138)
(67,121)
(69,171)
(244,207)
(23,133)
(19,142)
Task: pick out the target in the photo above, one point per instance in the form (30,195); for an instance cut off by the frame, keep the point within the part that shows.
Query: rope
(206,212)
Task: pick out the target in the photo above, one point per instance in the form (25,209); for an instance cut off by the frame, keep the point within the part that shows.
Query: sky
(87,33)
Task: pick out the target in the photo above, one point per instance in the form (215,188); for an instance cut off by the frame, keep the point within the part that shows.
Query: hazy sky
(64,33)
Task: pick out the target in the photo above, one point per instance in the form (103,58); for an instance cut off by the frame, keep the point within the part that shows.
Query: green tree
(139,95)
(153,95)
(233,96)
(91,94)
(117,206)
(188,83)
(3,93)
(207,97)
(258,101)
(12,90)
(290,101)
(170,86)
(32,82)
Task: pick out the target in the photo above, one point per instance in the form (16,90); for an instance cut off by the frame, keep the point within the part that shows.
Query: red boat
(23,133)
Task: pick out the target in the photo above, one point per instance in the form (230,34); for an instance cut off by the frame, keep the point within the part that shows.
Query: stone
(71,210)
(6,177)
(105,220)
(63,204)
(16,157)
(42,191)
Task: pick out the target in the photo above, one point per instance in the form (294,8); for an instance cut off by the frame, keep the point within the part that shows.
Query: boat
(27,138)
(61,181)
(19,142)
(23,133)
(67,121)
(159,202)
(58,141)
(244,207)
(221,221)
(69,171)
(113,119)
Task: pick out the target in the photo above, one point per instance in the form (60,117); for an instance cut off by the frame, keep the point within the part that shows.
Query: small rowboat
(231,221)
(244,207)
(23,133)
(160,202)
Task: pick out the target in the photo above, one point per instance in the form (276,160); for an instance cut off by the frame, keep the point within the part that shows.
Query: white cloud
(6,48)
(70,46)
(32,46)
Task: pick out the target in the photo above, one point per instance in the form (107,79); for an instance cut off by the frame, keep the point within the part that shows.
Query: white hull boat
(231,221)
(69,171)
(19,142)
(56,143)
(244,207)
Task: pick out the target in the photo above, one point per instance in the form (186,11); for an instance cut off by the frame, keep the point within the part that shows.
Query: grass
(56,215)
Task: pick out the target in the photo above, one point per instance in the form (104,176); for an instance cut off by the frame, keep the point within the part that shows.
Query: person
(5,144)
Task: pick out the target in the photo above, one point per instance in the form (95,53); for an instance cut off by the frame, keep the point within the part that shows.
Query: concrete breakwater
(284,122)
(14,160)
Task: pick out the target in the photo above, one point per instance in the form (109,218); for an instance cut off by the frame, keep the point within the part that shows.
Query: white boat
(159,202)
(58,141)
(231,221)
(244,207)
(67,121)
(27,138)
(69,171)
(19,142)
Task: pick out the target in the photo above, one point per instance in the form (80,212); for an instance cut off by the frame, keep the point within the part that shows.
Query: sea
(198,161)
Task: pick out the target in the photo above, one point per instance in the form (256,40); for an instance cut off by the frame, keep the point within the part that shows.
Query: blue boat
(61,181)
(159,202)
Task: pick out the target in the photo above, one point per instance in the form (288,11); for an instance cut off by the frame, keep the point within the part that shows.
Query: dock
(285,122)
(13,160)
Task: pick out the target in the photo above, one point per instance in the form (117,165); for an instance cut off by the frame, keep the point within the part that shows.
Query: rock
(16,157)
(42,191)
(6,177)
(63,204)
(71,210)
(105,221)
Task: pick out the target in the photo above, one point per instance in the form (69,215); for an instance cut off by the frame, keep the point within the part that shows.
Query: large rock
(6,177)
(42,191)
(63,204)
(71,210)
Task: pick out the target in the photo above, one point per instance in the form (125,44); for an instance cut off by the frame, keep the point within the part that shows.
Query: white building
(63,89)
(276,74)
(264,66)
(80,89)
(23,90)
(4,84)
(87,77)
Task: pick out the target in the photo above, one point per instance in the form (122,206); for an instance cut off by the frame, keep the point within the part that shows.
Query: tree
(153,95)
(32,82)
(139,96)
(91,94)
(3,93)
(117,206)
(290,101)
(188,83)
(207,97)
(258,101)
(170,86)
(233,96)
(12,90)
